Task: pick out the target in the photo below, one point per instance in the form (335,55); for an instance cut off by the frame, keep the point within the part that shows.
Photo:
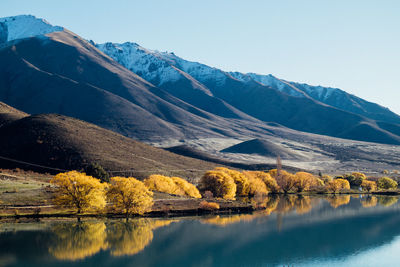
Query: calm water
(341,231)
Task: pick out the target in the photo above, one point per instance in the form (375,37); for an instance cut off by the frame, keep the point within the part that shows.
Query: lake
(296,231)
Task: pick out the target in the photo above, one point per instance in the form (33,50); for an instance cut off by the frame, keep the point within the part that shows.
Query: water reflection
(292,229)
(78,240)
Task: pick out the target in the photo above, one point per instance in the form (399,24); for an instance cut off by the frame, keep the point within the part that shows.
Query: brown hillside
(65,143)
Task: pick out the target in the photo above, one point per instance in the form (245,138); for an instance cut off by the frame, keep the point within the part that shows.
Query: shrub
(326,178)
(219,183)
(129,195)
(286,181)
(270,183)
(355,179)
(368,186)
(337,185)
(386,183)
(241,180)
(256,182)
(164,184)
(189,189)
(97,171)
(303,181)
(208,205)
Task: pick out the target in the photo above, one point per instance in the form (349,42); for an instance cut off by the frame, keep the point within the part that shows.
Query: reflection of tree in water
(78,240)
(227,220)
(303,204)
(337,201)
(369,201)
(83,239)
(129,238)
(387,200)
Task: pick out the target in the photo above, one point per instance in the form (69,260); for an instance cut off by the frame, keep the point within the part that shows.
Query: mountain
(61,143)
(166,101)
(266,98)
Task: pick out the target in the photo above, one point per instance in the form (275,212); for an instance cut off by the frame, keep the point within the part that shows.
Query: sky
(353,45)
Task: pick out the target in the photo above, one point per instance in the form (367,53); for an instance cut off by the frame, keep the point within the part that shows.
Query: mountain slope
(65,143)
(279,101)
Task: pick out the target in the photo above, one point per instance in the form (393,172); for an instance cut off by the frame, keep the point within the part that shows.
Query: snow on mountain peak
(24,26)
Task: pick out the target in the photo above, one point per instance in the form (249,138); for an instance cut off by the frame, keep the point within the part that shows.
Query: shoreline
(182,208)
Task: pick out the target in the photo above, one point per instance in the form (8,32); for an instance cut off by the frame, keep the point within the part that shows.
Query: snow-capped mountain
(24,26)
(161,68)
(155,95)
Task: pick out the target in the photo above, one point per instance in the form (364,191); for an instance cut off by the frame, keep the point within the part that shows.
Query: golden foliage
(304,180)
(326,178)
(368,186)
(270,183)
(369,201)
(337,185)
(286,181)
(189,189)
(77,190)
(241,181)
(164,184)
(219,183)
(171,185)
(129,195)
(79,240)
(205,205)
(337,201)
(359,175)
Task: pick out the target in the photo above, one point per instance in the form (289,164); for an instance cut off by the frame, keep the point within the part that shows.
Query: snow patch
(25,26)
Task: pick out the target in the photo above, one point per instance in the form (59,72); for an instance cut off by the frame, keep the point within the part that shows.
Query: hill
(61,143)
(264,148)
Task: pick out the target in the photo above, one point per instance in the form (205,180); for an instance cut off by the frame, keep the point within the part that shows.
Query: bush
(337,185)
(241,180)
(368,186)
(219,183)
(304,180)
(189,189)
(97,171)
(257,186)
(386,183)
(208,205)
(163,184)
(355,179)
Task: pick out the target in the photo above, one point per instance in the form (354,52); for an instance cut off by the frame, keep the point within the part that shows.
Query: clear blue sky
(350,44)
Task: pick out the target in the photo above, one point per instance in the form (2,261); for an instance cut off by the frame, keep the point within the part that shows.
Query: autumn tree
(164,184)
(219,183)
(78,190)
(386,183)
(188,188)
(240,179)
(368,186)
(304,180)
(286,181)
(129,195)
(270,183)
(337,185)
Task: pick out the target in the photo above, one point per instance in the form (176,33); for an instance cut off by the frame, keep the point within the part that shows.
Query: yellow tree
(77,190)
(269,182)
(219,183)
(304,180)
(164,184)
(337,185)
(240,179)
(188,188)
(286,181)
(368,185)
(129,195)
